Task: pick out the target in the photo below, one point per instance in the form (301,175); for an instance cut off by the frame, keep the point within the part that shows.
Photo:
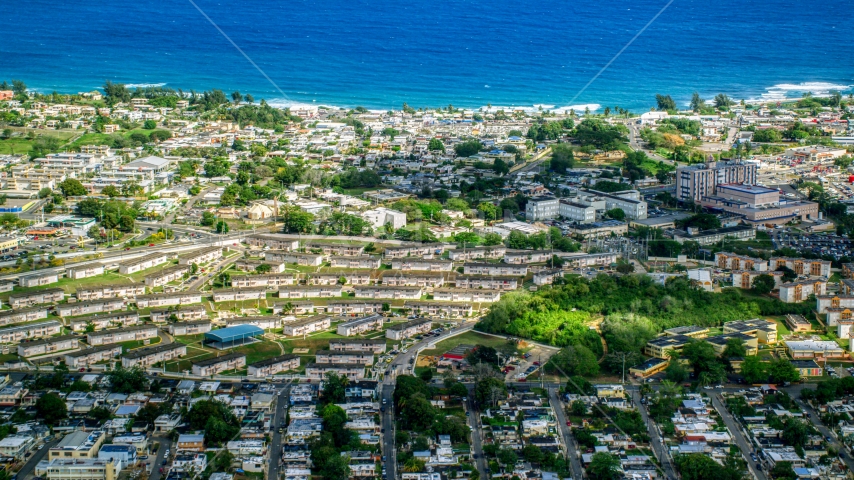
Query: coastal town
(201,285)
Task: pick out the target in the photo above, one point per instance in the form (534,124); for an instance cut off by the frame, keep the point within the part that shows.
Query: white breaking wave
(579,109)
(144,85)
(785,91)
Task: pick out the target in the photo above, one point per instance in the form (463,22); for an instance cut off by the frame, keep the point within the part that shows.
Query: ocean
(469,53)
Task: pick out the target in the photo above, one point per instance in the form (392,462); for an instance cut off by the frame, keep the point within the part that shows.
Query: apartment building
(424,250)
(192,327)
(520,257)
(267,280)
(800,291)
(275,242)
(119,335)
(148,356)
(281,307)
(168,299)
(604,228)
(339,356)
(239,294)
(265,323)
(494,269)
(375,345)
(143,263)
(167,275)
(200,256)
(763,330)
(338,249)
(409,329)
(310,291)
(418,264)
(477,253)
(544,207)
(360,326)
(23,300)
(745,278)
(48,345)
(486,282)
(272,366)
(802,266)
(100,322)
(182,313)
(232,361)
(697,181)
(360,261)
(351,277)
(353,307)
(823,302)
(576,211)
(731,261)
(380,291)
(90,307)
(441,309)
(466,295)
(109,291)
(629,201)
(301,259)
(89,356)
(715,235)
(83,469)
(30,331)
(381,216)
(245,265)
(423,280)
(84,270)
(38,280)
(8,317)
(319,371)
(307,325)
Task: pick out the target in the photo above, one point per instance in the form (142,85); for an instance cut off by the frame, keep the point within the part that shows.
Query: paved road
(28,467)
(389,448)
(735,431)
(165,444)
(655,438)
(825,432)
(275,451)
(476,431)
(568,438)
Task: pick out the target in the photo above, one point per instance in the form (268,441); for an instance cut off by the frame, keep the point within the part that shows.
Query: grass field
(469,338)
(127,346)
(259,351)
(19,143)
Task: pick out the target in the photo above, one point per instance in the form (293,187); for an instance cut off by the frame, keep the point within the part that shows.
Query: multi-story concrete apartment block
(301,259)
(423,250)
(182,313)
(360,325)
(360,261)
(580,260)
(23,300)
(245,265)
(168,299)
(30,331)
(319,371)
(191,327)
(380,291)
(520,257)
(148,356)
(351,277)
(697,181)
(466,295)
(119,335)
(90,307)
(795,292)
(417,264)
(744,278)
(89,356)
(477,253)
(200,256)
(83,468)
(353,307)
(374,345)
(48,345)
(285,307)
(269,280)
(731,261)
(98,292)
(576,211)
(338,356)
(424,280)
(100,322)
(170,274)
(307,325)
(310,291)
(239,294)
(232,361)
(629,201)
(544,207)
(802,266)
(339,249)
(84,270)
(272,366)
(275,242)
(823,302)
(494,269)
(268,322)
(38,280)
(9,317)
(441,309)
(412,328)
(486,282)
(143,263)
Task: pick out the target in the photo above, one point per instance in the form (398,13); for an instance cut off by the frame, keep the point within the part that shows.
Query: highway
(566,433)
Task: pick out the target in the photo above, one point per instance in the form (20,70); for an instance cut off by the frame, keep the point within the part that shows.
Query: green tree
(468,148)
(334,388)
(783,471)
(665,102)
(491,239)
(734,349)
(490,211)
(51,408)
(697,102)
(71,187)
(436,145)
(763,284)
(676,372)
(149,124)
(110,191)
(604,466)
(45,192)
(127,380)
(754,370)
(507,457)
(782,370)
(222,227)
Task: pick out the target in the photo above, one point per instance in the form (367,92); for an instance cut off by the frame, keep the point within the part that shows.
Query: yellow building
(78,444)
(764,330)
(649,367)
(719,342)
(692,331)
(660,346)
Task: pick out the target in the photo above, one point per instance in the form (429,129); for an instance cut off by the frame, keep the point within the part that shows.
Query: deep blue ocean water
(381,53)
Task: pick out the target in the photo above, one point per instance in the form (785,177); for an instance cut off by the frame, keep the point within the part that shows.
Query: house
(239,294)
(477,253)
(310,291)
(84,270)
(800,291)
(190,443)
(38,280)
(360,325)
(307,325)
(494,269)
(317,371)
(142,263)
(466,295)
(260,322)
(89,356)
(398,279)
(409,329)
(30,331)
(101,292)
(358,261)
(275,242)
(272,366)
(167,275)
(78,445)
(380,291)
(381,216)
(168,299)
(23,300)
(353,307)
(200,256)
(440,309)
(48,345)
(269,280)
(167,422)
(90,307)
(120,335)
(192,327)
(232,361)
(416,264)
(181,313)
(376,346)
(8,317)
(486,282)
(339,357)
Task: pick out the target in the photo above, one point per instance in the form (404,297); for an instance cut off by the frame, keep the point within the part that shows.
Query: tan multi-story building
(424,280)
(466,295)
(275,242)
(494,269)
(823,302)
(307,325)
(120,335)
(239,294)
(409,329)
(30,331)
(170,274)
(200,256)
(380,291)
(744,278)
(148,356)
(272,366)
(232,361)
(763,330)
(418,264)
(440,309)
(143,263)
(9,317)
(319,371)
(191,327)
(245,265)
(339,249)
(353,307)
(848,270)
(182,313)
(78,445)
(487,282)
(49,295)
(795,292)
(301,259)
(90,307)
(339,356)
(310,291)
(100,322)
(802,266)
(109,291)
(798,324)
(89,356)
(351,277)
(83,469)
(423,250)
(731,261)
(360,261)
(84,270)
(265,280)
(374,345)
(360,326)
(477,253)
(48,345)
